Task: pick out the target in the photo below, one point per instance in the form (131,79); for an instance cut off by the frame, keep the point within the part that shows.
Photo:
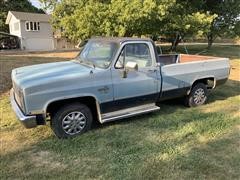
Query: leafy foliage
(48,4)
(226,23)
(83,19)
(13,5)
(185,18)
(174,19)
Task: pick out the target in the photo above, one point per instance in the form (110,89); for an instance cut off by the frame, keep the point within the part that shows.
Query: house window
(32,26)
(38,25)
(27,26)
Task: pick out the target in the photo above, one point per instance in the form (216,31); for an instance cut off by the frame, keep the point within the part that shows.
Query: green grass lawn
(174,143)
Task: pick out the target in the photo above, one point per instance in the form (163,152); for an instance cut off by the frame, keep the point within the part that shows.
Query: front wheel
(71,120)
(197,96)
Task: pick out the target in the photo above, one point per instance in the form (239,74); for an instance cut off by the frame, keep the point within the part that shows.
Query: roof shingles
(26,16)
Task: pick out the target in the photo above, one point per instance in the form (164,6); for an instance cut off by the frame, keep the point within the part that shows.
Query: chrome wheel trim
(74,122)
(199,96)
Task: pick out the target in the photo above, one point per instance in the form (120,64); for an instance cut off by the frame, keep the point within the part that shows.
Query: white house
(33,30)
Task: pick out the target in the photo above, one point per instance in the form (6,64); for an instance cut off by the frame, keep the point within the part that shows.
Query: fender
(203,78)
(72,97)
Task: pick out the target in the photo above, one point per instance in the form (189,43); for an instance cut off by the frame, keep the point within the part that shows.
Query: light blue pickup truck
(110,79)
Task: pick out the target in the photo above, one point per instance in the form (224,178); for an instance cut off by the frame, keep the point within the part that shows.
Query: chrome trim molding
(130,114)
(214,83)
(98,112)
(27,121)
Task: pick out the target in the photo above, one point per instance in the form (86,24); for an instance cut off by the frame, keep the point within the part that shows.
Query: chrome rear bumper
(27,121)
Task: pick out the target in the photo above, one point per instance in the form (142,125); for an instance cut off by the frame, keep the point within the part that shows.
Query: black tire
(68,120)
(198,96)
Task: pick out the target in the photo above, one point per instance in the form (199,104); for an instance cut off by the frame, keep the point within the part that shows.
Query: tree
(48,5)
(83,19)
(137,17)
(226,23)
(186,18)
(13,5)
(79,20)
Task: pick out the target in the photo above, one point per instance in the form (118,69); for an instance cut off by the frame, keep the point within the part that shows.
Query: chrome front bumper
(27,121)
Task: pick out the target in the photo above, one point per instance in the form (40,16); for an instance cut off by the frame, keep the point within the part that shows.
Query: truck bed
(166,59)
(180,71)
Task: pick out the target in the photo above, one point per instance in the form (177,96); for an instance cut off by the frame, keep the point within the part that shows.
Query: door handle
(104,89)
(152,70)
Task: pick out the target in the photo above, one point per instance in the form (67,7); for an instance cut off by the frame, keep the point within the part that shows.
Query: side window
(138,53)
(27,26)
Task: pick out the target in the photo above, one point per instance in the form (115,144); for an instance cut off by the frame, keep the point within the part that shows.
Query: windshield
(98,53)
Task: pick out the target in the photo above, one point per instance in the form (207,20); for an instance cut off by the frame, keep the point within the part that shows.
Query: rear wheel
(71,120)
(197,96)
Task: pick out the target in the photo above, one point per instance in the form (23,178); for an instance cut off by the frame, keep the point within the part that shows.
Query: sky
(35,3)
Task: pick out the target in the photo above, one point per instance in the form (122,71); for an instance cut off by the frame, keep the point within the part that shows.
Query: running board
(125,113)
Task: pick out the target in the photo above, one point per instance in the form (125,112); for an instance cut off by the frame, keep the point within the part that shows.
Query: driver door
(139,86)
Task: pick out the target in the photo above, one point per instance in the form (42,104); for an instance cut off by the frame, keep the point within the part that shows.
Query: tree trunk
(210,40)
(175,42)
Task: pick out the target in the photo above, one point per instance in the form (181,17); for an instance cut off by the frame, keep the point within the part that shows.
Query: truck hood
(29,76)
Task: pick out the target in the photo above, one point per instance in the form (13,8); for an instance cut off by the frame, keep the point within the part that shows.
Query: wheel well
(209,82)
(88,101)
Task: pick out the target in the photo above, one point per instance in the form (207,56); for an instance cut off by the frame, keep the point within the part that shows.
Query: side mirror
(131,66)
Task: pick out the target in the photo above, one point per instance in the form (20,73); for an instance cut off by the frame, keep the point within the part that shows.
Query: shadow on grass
(160,145)
(230,89)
